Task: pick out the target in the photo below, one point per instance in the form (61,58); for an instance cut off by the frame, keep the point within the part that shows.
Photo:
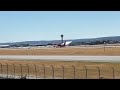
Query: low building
(4,46)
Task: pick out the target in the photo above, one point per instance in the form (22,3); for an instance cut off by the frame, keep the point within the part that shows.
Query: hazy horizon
(17,26)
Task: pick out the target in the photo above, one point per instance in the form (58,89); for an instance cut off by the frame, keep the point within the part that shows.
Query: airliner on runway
(66,43)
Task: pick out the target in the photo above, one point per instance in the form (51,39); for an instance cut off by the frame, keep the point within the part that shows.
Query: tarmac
(62,58)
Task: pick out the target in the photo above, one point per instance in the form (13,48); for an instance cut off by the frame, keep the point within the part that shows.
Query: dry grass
(62,51)
(80,73)
(106,70)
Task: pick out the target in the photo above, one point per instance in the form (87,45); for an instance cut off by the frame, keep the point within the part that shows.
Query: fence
(34,71)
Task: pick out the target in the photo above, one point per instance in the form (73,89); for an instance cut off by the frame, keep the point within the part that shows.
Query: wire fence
(26,71)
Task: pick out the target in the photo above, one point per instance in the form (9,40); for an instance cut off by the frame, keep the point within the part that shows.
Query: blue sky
(49,25)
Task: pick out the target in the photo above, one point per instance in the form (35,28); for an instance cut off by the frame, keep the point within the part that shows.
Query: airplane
(66,43)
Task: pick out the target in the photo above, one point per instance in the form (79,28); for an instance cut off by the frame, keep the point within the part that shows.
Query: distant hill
(112,38)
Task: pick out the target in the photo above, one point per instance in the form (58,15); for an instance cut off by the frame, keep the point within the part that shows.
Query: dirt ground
(63,51)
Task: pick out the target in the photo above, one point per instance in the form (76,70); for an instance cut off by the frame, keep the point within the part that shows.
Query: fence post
(14,70)
(63,71)
(86,71)
(113,73)
(52,70)
(98,72)
(74,70)
(28,70)
(7,70)
(21,70)
(1,70)
(35,71)
(44,70)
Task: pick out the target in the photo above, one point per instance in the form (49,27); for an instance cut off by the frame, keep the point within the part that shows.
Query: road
(62,58)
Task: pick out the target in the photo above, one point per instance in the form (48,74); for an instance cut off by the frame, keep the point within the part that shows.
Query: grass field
(106,70)
(63,51)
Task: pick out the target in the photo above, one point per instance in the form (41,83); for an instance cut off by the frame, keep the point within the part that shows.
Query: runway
(62,58)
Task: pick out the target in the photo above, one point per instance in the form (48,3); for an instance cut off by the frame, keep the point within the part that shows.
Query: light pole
(104,46)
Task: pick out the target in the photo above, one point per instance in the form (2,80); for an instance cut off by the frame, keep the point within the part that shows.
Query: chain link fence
(22,71)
